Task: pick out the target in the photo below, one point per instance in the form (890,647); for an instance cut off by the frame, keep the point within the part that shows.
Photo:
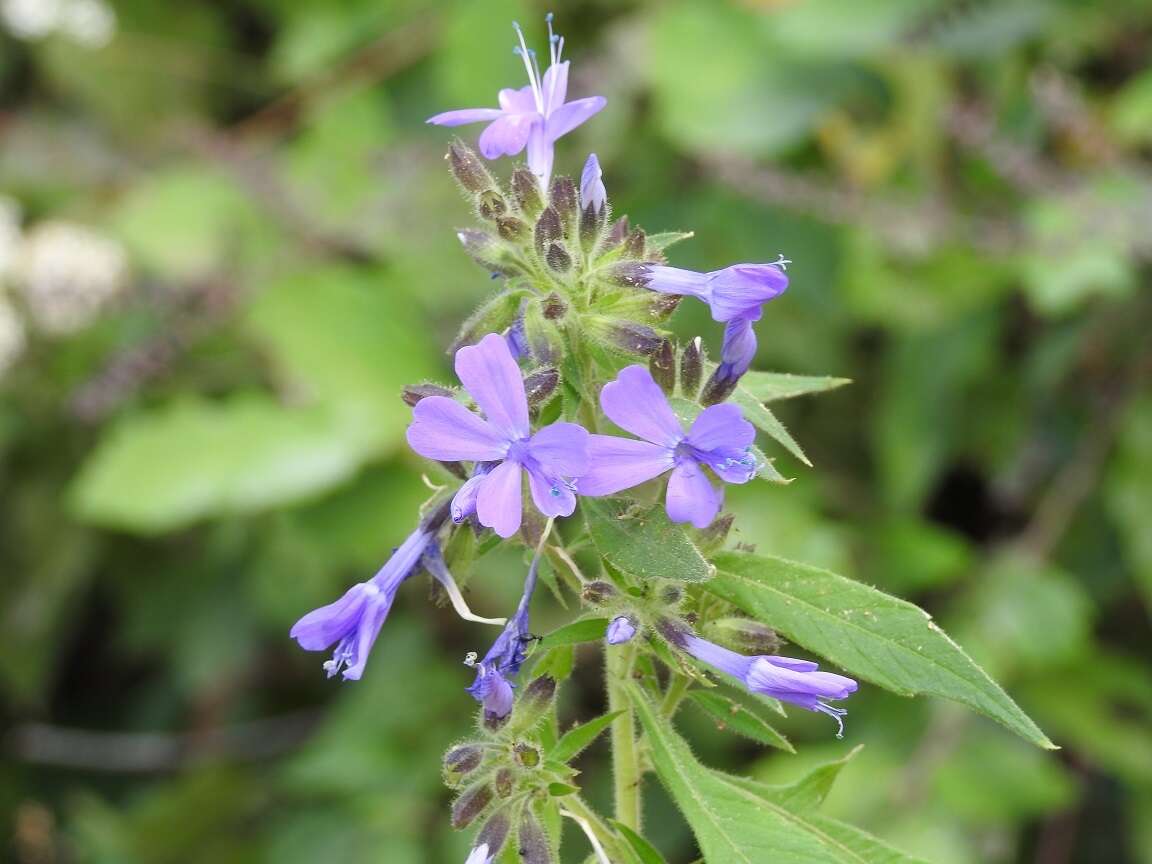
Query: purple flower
(353,622)
(783,678)
(535,116)
(620,630)
(444,429)
(479,855)
(720,438)
(505,657)
(592,192)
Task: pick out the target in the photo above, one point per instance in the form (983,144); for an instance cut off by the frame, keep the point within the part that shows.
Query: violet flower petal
(327,625)
(567,117)
(721,426)
(636,403)
(465,116)
(561,449)
(506,136)
(615,464)
(691,497)
(553,497)
(442,428)
(492,378)
(499,505)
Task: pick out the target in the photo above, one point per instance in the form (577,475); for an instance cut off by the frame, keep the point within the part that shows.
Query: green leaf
(644,850)
(586,630)
(579,737)
(774,386)
(866,632)
(557,662)
(736,717)
(733,824)
(161,470)
(664,239)
(643,542)
(809,791)
(759,416)
(558,790)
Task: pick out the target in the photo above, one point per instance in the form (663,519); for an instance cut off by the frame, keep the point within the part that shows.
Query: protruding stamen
(835,713)
(529,58)
(781,262)
(470,658)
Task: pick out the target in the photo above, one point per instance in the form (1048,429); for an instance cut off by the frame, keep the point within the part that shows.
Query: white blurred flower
(9,235)
(91,23)
(11,335)
(67,274)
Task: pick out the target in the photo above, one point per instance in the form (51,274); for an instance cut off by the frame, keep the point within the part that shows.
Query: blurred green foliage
(965,188)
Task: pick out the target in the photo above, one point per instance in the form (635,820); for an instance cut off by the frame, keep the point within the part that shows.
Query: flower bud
(620,630)
(714,535)
(526,192)
(558,259)
(527,755)
(548,229)
(662,365)
(630,274)
(745,635)
(413,393)
(618,231)
(504,782)
(511,229)
(663,305)
(719,387)
(671,595)
(634,338)
(461,761)
(691,369)
(487,251)
(534,847)
(553,307)
(470,804)
(562,198)
(598,592)
(593,195)
(540,385)
(634,244)
(467,168)
(539,693)
(494,833)
(491,204)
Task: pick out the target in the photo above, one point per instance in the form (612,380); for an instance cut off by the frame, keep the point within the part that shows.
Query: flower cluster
(569,388)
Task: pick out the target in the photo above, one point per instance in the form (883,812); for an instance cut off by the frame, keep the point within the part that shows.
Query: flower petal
(506,136)
(552,496)
(636,403)
(370,623)
(442,428)
(555,86)
(565,118)
(739,349)
(499,505)
(721,427)
(691,497)
(327,625)
(540,154)
(775,679)
(465,116)
(492,377)
(730,662)
(519,101)
(561,449)
(676,280)
(615,464)
(740,290)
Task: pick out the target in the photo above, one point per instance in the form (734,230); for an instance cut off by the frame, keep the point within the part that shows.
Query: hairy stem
(677,688)
(625,755)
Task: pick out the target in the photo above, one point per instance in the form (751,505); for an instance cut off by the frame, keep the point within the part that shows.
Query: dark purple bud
(663,305)
(527,755)
(630,274)
(470,804)
(491,204)
(558,259)
(562,197)
(462,760)
(511,229)
(714,535)
(526,191)
(662,365)
(533,846)
(487,251)
(540,385)
(548,229)
(674,631)
(691,369)
(634,338)
(634,244)
(618,231)
(553,307)
(467,168)
(494,833)
(744,634)
(591,224)
(598,592)
(671,595)
(719,387)
(538,695)
(413,393)
(505,782)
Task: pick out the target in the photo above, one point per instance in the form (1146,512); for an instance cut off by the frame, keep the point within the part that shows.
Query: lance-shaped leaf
(774,386)
(579,737)
(865,632)
(734,824)
(739,719)
(642,542)
(585,630)
(760,417)
(645,852)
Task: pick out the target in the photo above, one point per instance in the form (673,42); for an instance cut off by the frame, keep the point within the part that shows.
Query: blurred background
(226,242)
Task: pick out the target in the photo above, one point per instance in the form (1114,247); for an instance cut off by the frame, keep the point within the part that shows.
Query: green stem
(625,755)
(677,688)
